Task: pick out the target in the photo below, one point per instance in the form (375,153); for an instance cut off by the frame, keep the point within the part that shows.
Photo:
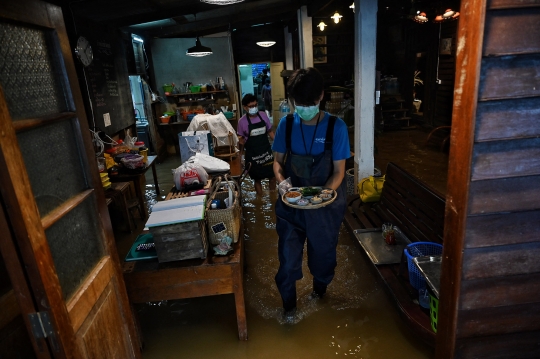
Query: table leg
(140,193)
(155,178)
(238,288)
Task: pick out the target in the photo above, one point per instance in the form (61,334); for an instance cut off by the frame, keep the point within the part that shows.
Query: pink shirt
(243,124)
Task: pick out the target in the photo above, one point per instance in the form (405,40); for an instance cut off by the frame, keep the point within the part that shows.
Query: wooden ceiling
(188,18)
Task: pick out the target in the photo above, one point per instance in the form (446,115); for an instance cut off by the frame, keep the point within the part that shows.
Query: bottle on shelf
(284,108)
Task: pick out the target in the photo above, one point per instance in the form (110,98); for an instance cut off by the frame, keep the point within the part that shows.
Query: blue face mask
(253,110)
(307,113)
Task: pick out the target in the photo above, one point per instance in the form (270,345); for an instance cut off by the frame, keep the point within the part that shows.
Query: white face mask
(253,110)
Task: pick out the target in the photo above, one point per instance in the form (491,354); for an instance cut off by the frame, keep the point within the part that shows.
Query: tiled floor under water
(355,320)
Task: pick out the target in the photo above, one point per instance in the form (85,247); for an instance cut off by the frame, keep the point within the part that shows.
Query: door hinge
(41,325)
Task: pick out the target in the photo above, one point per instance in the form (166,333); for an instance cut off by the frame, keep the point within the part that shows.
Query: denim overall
(320,226)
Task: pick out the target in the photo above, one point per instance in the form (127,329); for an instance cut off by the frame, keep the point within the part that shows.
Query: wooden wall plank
(500,291)
(511,4)
(517,345)
(504,195)
(503,159)
(507,119)
(501,229)
(501,261)
(510,77)
(502,320)
(503,37)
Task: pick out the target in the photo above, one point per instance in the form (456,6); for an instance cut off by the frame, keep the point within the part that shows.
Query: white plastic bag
(189,174)
(210,164)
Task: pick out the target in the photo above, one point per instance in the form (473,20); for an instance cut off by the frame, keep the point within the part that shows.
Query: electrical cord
(99,144)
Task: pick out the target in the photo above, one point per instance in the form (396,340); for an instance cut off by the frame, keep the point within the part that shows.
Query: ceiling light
(321,25)
(221,2)
(420,17)
(352,7)
(266,43)
(198,50)
(446,15)
(336,17)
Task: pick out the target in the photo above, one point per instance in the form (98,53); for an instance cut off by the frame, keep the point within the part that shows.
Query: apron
(320,226)
(259,151)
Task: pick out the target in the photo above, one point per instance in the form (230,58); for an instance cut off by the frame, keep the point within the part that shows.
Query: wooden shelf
(179,103)
(195,93)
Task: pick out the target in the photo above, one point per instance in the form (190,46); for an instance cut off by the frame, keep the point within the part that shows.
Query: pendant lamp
(198,50)
(221,2)
(321,25)
(336,17)
(266,43)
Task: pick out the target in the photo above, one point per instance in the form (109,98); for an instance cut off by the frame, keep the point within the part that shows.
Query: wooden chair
(225,151)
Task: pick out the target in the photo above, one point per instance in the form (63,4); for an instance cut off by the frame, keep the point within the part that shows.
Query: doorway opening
(252,79)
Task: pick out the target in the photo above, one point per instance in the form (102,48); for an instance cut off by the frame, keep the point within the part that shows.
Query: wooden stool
(119,193)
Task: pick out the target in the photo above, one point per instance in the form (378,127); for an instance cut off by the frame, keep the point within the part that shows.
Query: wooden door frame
(43,281)
(468,62)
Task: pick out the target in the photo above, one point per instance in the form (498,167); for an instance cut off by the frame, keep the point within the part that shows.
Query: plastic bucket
(167,88)
(418,249)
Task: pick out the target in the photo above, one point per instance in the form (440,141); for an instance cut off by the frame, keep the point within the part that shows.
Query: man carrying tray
(310,148)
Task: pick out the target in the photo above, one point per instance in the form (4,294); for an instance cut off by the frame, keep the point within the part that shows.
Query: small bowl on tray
(325,196)
(292,196)
(302,202)
(316,200)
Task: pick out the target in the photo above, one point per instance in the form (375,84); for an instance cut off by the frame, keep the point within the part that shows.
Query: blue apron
(320,226)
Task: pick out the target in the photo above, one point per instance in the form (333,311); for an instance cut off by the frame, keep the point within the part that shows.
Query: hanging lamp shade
(221,2)
(198,50)
(321,25)
(266,43)
(336,17)
(420,17)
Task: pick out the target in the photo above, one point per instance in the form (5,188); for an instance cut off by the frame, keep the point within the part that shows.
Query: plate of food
(309,197)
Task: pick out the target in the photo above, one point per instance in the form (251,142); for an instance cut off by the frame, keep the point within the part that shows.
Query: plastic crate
(419,249)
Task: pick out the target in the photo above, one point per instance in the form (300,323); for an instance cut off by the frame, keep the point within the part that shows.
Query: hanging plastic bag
(189,176)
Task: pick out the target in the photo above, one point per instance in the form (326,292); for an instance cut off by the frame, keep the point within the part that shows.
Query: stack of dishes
(105,180)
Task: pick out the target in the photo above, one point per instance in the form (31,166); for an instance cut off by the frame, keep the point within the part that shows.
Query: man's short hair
(265,71)
(248,98)
(305,86)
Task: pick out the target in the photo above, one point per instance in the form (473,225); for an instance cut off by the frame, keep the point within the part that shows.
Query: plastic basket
(433,311)
(419,249)
(133,161)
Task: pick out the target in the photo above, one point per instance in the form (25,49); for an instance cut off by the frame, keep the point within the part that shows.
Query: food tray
(310,205)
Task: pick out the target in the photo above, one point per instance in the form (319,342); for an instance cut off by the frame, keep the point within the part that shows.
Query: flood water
(355,319)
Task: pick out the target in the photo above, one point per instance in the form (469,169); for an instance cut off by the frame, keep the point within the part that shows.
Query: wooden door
(56,239)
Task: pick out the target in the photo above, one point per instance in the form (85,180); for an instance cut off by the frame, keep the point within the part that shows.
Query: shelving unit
(198,96)
(394,114)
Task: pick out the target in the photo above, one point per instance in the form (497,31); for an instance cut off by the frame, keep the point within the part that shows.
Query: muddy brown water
(356,319)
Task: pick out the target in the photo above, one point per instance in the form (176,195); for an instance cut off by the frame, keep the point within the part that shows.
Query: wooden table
(151,281)
(138,179)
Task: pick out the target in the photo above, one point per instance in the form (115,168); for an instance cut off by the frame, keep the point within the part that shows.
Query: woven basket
(230,217)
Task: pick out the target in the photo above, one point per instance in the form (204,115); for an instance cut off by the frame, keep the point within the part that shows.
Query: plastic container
(165,119)
(143,151)
(133,161)
(228,114)
(284,108)
(419,249)
(190,116)
(433,310)
(167,88)
(195,89)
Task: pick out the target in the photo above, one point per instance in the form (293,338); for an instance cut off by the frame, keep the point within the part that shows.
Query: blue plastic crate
(419,249)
